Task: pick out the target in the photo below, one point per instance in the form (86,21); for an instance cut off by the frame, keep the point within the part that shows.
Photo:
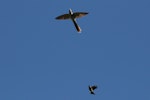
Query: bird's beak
(70,11)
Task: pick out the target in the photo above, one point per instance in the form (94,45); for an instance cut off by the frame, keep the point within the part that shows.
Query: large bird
(92,88)
(73,17)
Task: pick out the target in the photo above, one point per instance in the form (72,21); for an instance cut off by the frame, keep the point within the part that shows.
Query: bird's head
(70,12)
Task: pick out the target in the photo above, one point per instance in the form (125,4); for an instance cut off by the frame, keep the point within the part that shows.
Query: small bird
(73,17)
(92,88)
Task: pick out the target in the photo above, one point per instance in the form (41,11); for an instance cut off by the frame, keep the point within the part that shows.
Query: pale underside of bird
(73,17)
(92,88)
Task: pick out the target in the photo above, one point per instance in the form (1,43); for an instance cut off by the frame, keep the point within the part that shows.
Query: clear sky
(45,59)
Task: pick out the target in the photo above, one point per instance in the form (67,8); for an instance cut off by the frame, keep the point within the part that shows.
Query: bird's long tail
(76,25)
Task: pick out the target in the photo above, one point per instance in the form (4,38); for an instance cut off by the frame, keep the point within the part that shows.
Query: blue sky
(45,59)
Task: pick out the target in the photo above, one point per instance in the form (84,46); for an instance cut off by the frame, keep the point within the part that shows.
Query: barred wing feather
(63,17)
(79,14)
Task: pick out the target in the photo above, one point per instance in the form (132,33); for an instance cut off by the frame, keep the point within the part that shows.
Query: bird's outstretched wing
(94,87)
(63,17)
(89,88)
(79,14)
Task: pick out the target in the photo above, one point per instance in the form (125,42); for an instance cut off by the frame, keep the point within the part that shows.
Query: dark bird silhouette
(73,17)
(92,88)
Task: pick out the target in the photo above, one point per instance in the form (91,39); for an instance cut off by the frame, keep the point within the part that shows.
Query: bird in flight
(73,17)
(92,88)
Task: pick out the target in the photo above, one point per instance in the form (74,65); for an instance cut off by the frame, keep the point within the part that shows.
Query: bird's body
(73,17)
(92,88)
